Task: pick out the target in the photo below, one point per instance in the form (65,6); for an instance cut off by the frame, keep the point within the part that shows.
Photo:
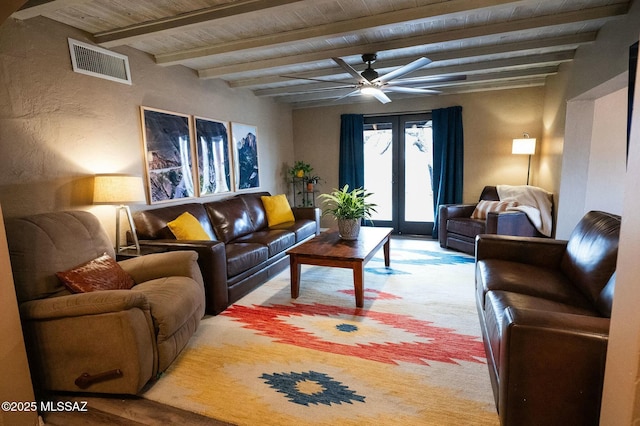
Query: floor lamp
(120,190)
(525,145)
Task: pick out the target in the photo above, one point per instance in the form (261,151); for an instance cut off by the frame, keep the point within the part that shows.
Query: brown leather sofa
(544,308)
(107,341)
(458,231)
(243,252)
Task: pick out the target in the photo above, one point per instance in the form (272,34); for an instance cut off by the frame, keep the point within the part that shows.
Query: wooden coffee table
(328,249)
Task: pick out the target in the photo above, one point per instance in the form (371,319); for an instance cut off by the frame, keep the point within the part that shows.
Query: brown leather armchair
(458,230)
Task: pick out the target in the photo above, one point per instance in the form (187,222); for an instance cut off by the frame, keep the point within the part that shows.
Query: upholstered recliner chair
(458,226)
(106,341)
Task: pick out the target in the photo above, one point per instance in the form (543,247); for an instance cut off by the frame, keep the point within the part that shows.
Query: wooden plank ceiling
(282,48)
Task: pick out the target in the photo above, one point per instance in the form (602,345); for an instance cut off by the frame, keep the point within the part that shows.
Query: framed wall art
(168,154)
(213,156)
(245,155)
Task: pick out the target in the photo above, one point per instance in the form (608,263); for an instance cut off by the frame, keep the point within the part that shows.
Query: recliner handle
(85,379)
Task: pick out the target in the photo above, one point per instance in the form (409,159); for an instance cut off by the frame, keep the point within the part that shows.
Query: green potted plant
(349,208)
(312,181)
(300,169)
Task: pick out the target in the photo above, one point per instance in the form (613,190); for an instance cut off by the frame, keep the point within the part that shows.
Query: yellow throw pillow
(187,227)
(278,209)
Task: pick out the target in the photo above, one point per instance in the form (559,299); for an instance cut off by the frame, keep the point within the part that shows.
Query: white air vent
(99,62)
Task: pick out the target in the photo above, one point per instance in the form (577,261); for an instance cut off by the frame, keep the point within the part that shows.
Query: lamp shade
(524,146)
(118,189)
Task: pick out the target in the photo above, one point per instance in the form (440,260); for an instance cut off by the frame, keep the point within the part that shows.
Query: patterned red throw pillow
(485,206)
(102,273)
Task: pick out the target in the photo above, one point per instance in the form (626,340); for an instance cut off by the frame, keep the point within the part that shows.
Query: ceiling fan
(371,83)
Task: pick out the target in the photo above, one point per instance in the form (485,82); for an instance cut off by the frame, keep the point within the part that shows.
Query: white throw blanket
(535,202)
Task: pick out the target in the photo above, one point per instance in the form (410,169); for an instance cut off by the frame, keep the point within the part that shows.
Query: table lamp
(525,145)
(121,190)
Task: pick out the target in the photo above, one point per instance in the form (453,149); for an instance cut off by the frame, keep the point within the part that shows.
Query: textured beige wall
(490,120)
(58,128)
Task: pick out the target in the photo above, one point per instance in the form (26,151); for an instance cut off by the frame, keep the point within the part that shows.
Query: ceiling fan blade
(353,92)
(348,68)
(413,90)
(379,95)
(350,83)
(410,67)
(423,81)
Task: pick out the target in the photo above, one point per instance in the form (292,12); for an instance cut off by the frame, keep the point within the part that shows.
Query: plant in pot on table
(349,208)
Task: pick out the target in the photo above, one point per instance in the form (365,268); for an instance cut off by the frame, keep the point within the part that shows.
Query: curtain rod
(397,113)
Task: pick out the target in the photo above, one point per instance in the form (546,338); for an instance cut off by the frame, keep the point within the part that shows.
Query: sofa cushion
(277,209)
(592,251)
(172,302)
(244,256)
(255,208)
(230,218)
(466,226)
(276,240)
(101,273)
(187,227)
(303,228)
(532,280)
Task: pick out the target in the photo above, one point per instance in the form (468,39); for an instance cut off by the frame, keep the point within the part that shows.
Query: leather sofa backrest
(43,244)
(489,193)
(605,300)
(152,224)
(230,218)
(592,251)
(256,209)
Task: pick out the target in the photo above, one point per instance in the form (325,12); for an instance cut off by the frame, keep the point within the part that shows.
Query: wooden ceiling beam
(334,29)
(132,33)
(603,12)
(36,8)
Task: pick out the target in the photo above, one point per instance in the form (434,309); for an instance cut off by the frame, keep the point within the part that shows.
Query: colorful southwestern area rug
(412,356)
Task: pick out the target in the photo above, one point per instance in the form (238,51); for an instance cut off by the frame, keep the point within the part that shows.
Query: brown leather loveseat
(243,251)
(458,230)
(544,308)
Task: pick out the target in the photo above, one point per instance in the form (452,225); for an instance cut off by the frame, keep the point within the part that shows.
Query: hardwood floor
(122,410)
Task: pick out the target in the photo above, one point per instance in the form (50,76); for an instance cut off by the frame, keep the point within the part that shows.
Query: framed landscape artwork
(168,153)
(214,156)
(245,155)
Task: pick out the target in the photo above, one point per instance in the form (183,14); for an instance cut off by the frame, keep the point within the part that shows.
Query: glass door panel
(418,170)
(378,169)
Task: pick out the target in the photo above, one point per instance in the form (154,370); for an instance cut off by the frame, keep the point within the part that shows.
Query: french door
(398,168)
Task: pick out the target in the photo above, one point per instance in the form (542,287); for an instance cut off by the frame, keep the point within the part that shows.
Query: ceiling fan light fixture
(370,90)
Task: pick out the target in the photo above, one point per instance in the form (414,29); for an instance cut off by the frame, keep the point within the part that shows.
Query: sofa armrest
(510,223)
(81,304)
(159,265)
(309,213)
(450,211)
(93,333)
(530,250)
(212,260)
(551,367)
